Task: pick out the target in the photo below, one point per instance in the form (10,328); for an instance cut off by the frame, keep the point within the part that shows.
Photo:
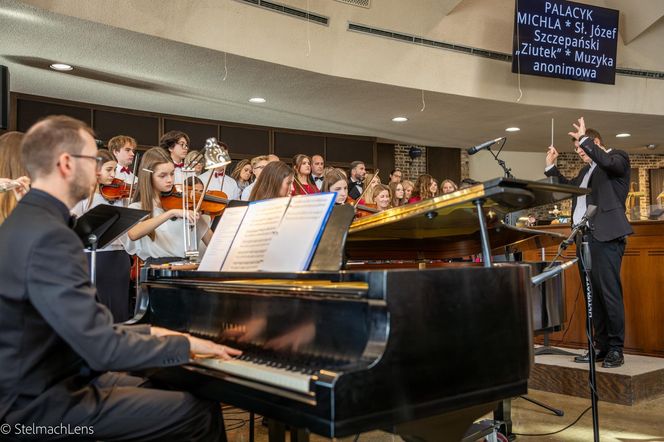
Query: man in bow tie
(606,172)
(123,148)
(317,168)
(177,145)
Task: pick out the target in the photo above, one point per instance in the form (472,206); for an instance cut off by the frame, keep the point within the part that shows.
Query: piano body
(398,340)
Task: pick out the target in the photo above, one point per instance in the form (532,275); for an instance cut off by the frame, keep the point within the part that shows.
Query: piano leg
(448,427)
(503,413)
(277,432)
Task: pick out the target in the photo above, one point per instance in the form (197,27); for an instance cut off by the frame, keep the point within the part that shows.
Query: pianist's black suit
(56,341)
(610,184)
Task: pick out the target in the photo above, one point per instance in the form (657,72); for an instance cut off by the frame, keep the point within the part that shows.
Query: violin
(118,189)
(213,203)
(362,209)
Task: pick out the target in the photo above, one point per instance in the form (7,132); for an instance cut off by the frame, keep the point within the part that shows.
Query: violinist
(275,181)
(112,272)
(370,181)
(176,145)
(382,196)
(160,238)
(335,180)
(220,180)
(257,165)
(357,173)
(123,148)
(303,184)
(14,181)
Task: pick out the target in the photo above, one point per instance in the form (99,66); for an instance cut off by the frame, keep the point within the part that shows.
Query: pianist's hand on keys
(200,347)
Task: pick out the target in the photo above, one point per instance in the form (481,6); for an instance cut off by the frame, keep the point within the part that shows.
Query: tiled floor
(618,423)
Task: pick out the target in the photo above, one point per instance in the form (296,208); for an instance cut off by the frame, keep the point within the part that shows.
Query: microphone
(552,272)
(590,213)
(473,150)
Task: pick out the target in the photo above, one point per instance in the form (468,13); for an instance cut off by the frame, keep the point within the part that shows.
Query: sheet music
(223,237)
(293,247)
(259,227)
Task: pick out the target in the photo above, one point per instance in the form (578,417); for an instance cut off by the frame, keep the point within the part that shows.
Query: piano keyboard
(264,372)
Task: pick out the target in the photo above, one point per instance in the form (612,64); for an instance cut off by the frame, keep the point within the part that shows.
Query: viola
(213,204)
(362,209)
(118,189)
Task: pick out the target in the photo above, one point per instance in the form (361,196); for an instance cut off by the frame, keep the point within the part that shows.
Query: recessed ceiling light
(61,67)
(512,129)
(623,135)
(399,119)
(257,100)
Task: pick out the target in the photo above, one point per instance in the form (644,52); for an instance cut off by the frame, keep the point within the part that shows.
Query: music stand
(102,225)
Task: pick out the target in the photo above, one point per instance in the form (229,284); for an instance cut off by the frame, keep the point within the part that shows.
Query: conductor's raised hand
(551,156)
(580,129)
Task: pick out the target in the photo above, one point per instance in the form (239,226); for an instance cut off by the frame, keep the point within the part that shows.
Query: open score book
(276,235)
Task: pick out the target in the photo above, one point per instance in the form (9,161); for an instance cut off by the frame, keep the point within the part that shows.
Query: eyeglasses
(258,167)
(98,160)
(183,145)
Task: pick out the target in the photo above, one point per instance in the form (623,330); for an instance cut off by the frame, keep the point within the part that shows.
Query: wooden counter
(643,290)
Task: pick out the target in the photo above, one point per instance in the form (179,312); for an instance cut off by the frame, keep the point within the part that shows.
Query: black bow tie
(318,178)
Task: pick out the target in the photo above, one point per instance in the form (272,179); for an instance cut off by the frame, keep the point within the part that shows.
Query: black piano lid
(455,213)
(447,226)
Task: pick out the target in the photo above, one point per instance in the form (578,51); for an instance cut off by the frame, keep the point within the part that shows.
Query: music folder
(107,223)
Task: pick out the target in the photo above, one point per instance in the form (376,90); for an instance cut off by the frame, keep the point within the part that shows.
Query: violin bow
(365,190)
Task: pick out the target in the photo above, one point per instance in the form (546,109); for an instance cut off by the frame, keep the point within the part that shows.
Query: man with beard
(57,344)
(357,173)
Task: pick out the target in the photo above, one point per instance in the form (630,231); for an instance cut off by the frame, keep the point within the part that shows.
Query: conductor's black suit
(59,347)
(609,183)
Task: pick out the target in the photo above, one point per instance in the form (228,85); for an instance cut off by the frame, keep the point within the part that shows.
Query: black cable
(557,431)
(576,302)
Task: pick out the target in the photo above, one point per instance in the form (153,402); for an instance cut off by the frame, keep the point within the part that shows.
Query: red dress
(304,189)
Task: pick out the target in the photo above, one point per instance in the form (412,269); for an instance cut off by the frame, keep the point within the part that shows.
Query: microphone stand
(583,239)
(506,170)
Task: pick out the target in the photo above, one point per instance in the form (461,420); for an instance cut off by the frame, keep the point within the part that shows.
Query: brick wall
(569,165)
(410,169)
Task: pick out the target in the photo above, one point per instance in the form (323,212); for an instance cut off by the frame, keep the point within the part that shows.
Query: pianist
(57,344)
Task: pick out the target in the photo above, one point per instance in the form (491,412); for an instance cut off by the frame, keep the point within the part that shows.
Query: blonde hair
(146,193)
(11,167)
(369,195)
(440,189)
(378,188)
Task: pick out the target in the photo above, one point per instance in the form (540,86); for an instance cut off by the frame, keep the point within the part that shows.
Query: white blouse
(230,188)
(169,237)
(81,208)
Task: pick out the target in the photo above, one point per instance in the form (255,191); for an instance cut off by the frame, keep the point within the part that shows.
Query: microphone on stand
(590,213)
(473,150)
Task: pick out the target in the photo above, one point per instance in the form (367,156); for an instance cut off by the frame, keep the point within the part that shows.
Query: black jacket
(609,185)
(52,330)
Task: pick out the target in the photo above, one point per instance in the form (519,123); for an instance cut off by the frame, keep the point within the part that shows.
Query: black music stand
(102,225)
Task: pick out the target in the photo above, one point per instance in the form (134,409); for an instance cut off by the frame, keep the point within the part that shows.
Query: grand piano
(386,330)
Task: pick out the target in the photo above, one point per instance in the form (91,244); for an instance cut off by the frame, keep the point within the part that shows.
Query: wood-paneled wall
(246,141)
(642,276)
